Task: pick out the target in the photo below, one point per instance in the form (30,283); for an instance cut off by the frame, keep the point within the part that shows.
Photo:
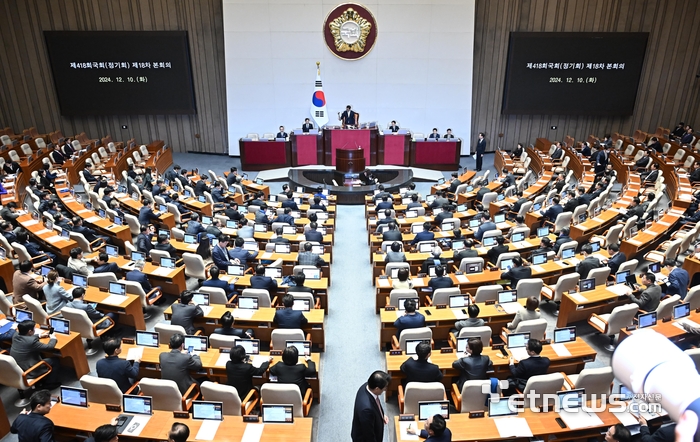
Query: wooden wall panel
(668,90)
(27,96)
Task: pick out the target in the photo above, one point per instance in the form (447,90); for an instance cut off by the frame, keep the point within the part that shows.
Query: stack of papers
(561,350)
(679,323)
(580,419)
(208,430)
(403,427)
(578,298)
(113,300)
(459,314)
(134,353)
(161,271)
(223,359)
(522,244)
(93,219)
(519,353)
(54,239)
(462,279)
(513,427)
(537,269)
(620,289)
(30,223)
(242,313)
(42,231)
(253,432)
(511,307)
(383,282)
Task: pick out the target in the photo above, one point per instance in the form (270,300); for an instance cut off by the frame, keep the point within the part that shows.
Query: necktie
(379,405)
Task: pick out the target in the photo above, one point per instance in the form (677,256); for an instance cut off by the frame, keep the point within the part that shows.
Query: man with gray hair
(137,275)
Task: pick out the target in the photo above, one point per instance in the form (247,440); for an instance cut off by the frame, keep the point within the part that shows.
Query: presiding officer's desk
(442,320)
(70,421)
(260,321)
(214,364)
(579,353)
(542,425)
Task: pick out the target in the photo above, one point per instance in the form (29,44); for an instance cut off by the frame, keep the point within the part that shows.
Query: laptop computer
(542,232)
(289,230)
(277,414)
(586,285)
(251,346)
(647,320)
(60,325)
(539,258)
(248,302)
(428,409)
(681,311)
(132,404)
(564,335)
(196,343)
(138,256)
(506,264)
(112,250)
(74,396)
(571,401)
(235,270)
(303,347)
(457,244)
(116,288)
(206,410)
(568,252)
(447,226)
(501,407)
(517,344)
(260,227)
(168,263)
(147,339)
(283,248)
(45,270)
(595,246)
(79,280)
(417,228)
(165,232)
(190,239)
(517,237)
(200,298)
(401,300)
(474,223)
(251,246)
(23,315)
(489,241)
(426,247)
(506,296)
(621,277)
(535,207)
(459,301)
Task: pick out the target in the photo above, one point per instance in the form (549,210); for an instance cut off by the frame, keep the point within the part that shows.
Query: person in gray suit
(26,349)
(649,299)
(177,363)
(79,303)
(185,312)
(528,313)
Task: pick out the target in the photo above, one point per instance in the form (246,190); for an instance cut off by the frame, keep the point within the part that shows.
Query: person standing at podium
(393,127)
(349,117)
(307,126)
(480,151)
(281,133)
(435,133)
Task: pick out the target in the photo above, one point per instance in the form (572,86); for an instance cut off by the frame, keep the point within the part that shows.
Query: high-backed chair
(693,297)
(600,275)
(419,391)
(442,296)
(166,331)
(216,295)
(504,256)
(483,332)
(280,336)
(611,323)
(545,384)
(396,294)
(562,220)
(40,315)
(595,381)
(228,395)
(565,283)
(7,309)
(630,265)
(536,328)
(81,323)
(487,293)
(666,305)
(147,299)
(101,280)
(262,295)
(23,255)
(217,340)
(471,397)
(465,261)
(83,243)
(166,396)
(12,376)
(423,333)
(275,393)
(102,390)
(530,287)
(396,265)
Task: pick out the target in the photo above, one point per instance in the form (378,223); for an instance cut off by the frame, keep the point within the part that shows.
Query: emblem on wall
(350,31)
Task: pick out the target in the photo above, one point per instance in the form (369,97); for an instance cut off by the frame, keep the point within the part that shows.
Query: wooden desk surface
(49,239)
(668,329)
(263,314)
(76,419)
(244,281)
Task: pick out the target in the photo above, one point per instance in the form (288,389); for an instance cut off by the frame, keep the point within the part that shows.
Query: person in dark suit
(474,366)
(119,370)
(177,363)
(313,234)
(420,370)
(27,351)
(518,272)
(368,416)
(467,252)
(433,260)
(316,205)
(214,281)
(288,317)
(649,298)
(535,365)
(384,204)
(12,168)
(137,275)
(34,425)
(448,135)
(227,329)
(425,235)
(508,178)
(289,202)
(240,372)
(239,255)
(102,264)
(144,240)
(694,175)
(678,279)
(571,203)
(454,183)
(586,149)
(307,126)
(435,134)
(667,433)
(185,312)
(642,162)
(348,117)
(393,127)
(163,244)
(410,319)
(260,281)
(281,133)
(688,137)
(650,176)
(562,239)
(558,152)
(517,152)
(480,151)
(286,217)
(599,160)
(552,211)
(589,262)
(220,254)
(440,281)
(486,226)
(393,234)
(146,213)
(201,186)
(616,258)
(288,371)
(434,430)
(498,250)
(518,204)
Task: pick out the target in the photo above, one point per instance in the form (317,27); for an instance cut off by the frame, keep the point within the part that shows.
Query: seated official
(33,425)
(616,258)
(288,317)
(261,215)
(425,235)
(260,281)
(289,371)
(620,433)
(281,133)
(240,372)
(214,229)
(440,281)
(307,126)
(299,280)
(562,239)
(534,365)
(214,281)
(286,217)
(121,371)
(472,321)
(56,296)
(414,202)
(27,351)
(393,127)
(410,319)
(79,303)
(468,250)
(231,211)
(434,134)
(546,245)
(387,218)
(185,312)
(519,223)
(440,200)
(102,265)
(144,242)
(486,226)
(434,430)
(309,258)
(220,253)
(194,227)
(25,283)
(395,254)
(78,263)
(497,250)
(678,279)
(32,248)
(434,260)
(517,273)
(279,238)
(316,205)
(227,329)
(163,244)
(649,298)
(421,369)
(448,134)
(589,262)
(390,234)
(529,313)
(146,213)
(238,254)
(137,275)
(447,212)
(177,364)
(635,209)
(552,211)
(384,204)
(313,234)
(473,366)
(402,281)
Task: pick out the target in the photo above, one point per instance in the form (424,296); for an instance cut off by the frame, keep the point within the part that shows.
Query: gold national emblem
(350,31)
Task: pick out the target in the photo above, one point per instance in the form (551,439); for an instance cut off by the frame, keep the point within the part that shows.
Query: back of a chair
(525,207)
(621,317)
(536,328)
(227,394)
(397,265)
(489,198)
(693,297)
(544,384)
(21,252)
(156,255)
(442,296)
(491,234)
(283,394)
(6,304)
(613,235)
(504,256)
(565,283)
(487,293)
(483,332)
(305,296)
(421,391)
(563,220)
(397,294)
(465,261)
(596,381)
(422,333)
(166,396)
(11,373)
(630,265)
(166,331)
(217,340)
(530,287)
(101,390)
(280,336)
(101,280)
(216,295)
(473,396)
(194,266)
(79,322)
(600,275)
(262,295)
(567,245)
(665,307)
(631,222)
(34,306)
(82,241)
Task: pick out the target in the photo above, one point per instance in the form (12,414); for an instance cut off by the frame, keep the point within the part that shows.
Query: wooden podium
(350,160)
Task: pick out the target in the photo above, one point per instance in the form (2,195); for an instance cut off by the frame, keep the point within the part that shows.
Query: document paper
(208,430)
(253,432)
(403,427)
(513,427)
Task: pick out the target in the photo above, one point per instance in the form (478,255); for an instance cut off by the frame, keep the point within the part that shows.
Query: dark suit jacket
(561,240)
(143,243)
(306,127)
(146,214)
(392,235)
(420,371)
(431,262)
(240,375)
(313,235)
(220,257)
(109,267)
(264,282)
(584,267)
(532,366)
(496,251)
(184,315)
(119,370)
(348,118)
(288,318)
(663,434)
(481,146)
(27,352)
(442,282)
(404,322)
(472,368)
(423,236)
(570,205)
(516,274)
(167,247)
(220,283)
(294,374)
(367,421)
(33,427)
(615,262)
(176,366)
(281,135)
(141,278)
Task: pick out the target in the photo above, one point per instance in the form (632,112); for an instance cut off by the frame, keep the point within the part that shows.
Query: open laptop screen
(251,346)
(647,320)
(505,296)
(74,396)
(137,404)
(516,340)
(208,410)
(277,414)
(303,347)
(501,408)
(427,409)
(147,339)
(564,335)
(681,311)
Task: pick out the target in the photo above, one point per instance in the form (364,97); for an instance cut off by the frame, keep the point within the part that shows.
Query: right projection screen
(573,73)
